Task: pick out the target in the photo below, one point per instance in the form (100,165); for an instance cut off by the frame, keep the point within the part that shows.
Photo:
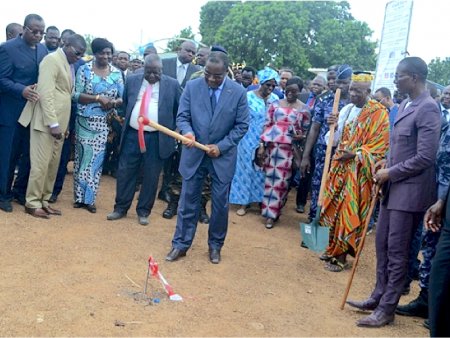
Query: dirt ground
(81,275)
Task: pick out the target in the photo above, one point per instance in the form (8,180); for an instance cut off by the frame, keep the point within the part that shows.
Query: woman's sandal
(335,265)
(242,210)
(324,257)
(269,223)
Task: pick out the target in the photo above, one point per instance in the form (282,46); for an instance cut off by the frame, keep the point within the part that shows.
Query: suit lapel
(403,112)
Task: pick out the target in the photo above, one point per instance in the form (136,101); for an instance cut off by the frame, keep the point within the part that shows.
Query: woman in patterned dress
(248,181)
(98,91)
(288,119)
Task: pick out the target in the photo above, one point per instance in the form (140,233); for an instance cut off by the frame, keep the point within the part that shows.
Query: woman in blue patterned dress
(98,91)
(248,182)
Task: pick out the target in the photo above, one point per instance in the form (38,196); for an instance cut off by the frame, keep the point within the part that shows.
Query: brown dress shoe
(51,211)
(376,319)
(37,212)
(365,305)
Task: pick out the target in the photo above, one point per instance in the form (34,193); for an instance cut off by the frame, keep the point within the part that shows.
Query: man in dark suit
(409,189)
(19,67)
(214,111)
(156,96)
(180,68)
(439,294)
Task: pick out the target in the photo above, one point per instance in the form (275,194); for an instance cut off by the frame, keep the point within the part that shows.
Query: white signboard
(394,42)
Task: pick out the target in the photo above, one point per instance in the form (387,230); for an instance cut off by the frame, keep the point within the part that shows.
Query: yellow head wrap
(362,77)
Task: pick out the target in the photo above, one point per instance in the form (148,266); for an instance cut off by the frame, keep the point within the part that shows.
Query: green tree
(174,44)
(88,38)
(439,71)
(211,18)
(298,34)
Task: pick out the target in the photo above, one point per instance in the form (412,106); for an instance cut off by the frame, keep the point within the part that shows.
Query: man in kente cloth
(363,140)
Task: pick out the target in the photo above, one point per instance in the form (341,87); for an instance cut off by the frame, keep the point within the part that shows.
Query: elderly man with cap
(362,137)
(319,128)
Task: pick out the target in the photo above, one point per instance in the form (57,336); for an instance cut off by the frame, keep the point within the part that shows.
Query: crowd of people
(248,138)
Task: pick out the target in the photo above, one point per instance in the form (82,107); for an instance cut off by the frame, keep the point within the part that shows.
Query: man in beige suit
(48,119)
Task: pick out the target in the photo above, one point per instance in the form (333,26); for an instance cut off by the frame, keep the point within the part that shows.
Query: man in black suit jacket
(155,96)
(19,67)
(181,67)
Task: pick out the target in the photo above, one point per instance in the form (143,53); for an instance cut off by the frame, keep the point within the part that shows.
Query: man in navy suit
(180,68)
(213,110)
(409,185)
(162,95)
(19,66)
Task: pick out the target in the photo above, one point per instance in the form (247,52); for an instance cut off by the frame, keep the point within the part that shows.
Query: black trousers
(130,162)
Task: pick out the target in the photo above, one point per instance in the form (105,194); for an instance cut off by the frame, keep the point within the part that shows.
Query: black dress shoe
(78,205)
(143,220)
(115,215)
(214,256)
(6,206)
(416,308)
(91,208)
(204,218)
(376,319)
(174,254)
(366,305)
(53,199)
(170,211)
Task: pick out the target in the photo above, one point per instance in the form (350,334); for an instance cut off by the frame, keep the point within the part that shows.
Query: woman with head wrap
(248,181)
(98,91)
(287,120)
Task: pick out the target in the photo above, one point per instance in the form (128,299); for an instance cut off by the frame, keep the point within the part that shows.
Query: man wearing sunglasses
(48,119)
(19,66)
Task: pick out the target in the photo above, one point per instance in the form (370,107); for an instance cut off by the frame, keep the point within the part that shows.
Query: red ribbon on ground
(154,270)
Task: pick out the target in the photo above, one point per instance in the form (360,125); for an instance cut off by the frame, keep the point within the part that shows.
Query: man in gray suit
(155,96)
(409,187)
(213,110)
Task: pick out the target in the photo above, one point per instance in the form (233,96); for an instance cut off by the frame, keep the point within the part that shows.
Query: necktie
(143,111)
(180,74)
(213,99)
(445,114)
(72,73)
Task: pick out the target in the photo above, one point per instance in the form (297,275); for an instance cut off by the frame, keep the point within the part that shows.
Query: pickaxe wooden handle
(144,121)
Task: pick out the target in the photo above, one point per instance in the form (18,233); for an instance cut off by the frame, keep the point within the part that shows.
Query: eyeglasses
(77,53)
(214,76)
(268,84)
(35,31)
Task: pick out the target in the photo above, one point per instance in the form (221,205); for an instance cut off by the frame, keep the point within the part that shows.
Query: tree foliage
(439,71)
(88,38)
(175,43)
(297,34)
(211,18)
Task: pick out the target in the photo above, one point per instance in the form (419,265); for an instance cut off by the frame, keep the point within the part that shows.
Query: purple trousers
(393,238)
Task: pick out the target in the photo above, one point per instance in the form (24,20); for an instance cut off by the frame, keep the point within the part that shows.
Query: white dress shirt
(152,111)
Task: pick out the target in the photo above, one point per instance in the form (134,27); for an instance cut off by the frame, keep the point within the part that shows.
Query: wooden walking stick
(363,238)
(144,121)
